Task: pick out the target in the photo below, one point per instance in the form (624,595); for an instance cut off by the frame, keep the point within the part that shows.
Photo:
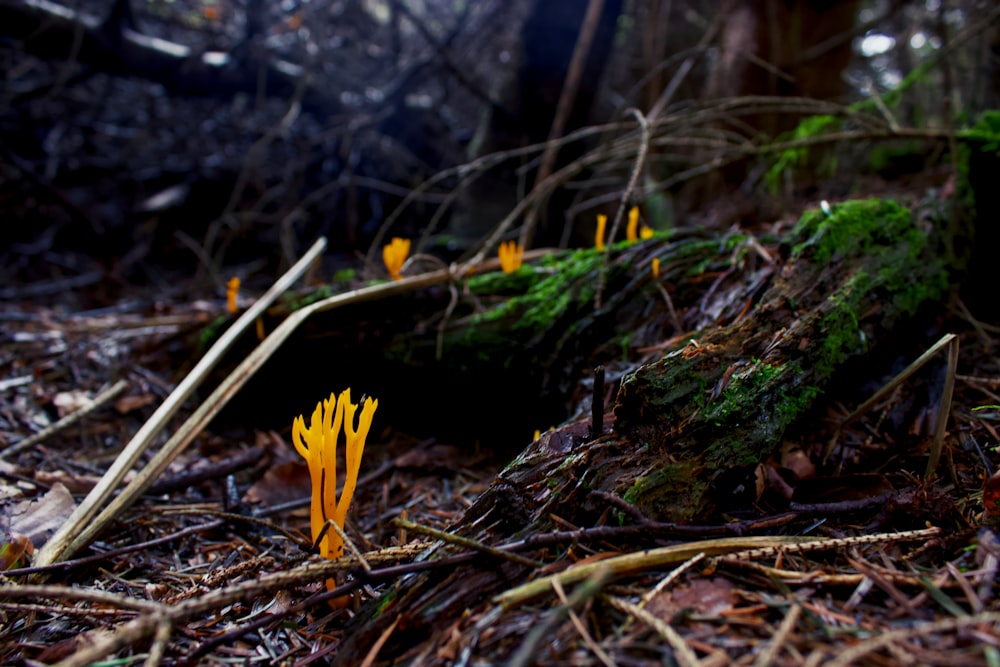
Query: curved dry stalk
(75,534)
(68,539)
(640,161)
(480,164)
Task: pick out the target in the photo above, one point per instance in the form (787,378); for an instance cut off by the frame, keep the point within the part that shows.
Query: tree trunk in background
(777,48)
(785,48)
(527,105)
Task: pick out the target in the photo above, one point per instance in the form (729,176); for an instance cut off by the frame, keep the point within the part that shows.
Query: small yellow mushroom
(656,268)
(602,222)
(645,232)
(394,256)
(511,254)
(232,294)
(318,446)
(631,230)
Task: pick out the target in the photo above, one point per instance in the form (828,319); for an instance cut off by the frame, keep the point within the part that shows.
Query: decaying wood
(692,425)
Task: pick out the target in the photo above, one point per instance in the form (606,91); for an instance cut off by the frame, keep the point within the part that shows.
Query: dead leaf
(127,404)
(38,518)
(74,483)
(12,548)
(706,597)
(991,496)
(796,460)
(68,647)
(281,483)
(67,402)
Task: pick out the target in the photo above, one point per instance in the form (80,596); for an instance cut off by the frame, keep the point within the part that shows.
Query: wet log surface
(687,431)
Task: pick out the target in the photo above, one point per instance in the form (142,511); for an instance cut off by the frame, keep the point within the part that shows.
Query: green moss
(667,395)
(986,130)
(880,230)
(295,301)
(559,282)
(344,276)
(852,228)
(812,126)
(983,136)
(714,254)
(498,282)
(211,332)
(767,393)
(671,492)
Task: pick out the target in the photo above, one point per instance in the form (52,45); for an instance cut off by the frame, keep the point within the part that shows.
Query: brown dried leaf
(706,597)
(75,483)
(12,548)
(991,496)
(127,404)
(64,649)
(37,519)
(281,483)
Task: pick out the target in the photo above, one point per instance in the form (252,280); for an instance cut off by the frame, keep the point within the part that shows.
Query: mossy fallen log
(714,403)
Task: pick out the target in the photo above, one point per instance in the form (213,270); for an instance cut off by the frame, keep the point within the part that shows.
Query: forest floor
(889,568)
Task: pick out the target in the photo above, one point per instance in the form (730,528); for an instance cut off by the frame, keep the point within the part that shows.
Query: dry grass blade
(768,655)
(67,539)
(580,628)
(944,407)
(855,653)
(377,646)
(682,652)
(68,420)
(635,562)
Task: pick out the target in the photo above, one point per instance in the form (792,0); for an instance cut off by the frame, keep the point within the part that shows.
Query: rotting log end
(724,402)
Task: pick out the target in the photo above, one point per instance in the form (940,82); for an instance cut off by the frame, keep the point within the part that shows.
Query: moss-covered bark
(716,403)
(532,333)
(852,277)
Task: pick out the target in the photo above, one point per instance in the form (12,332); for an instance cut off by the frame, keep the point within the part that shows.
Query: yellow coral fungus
(602,222)
(232,293)
(646,233)
(656,267)
(511,255)
(318,446)
(394,255)
(632,229)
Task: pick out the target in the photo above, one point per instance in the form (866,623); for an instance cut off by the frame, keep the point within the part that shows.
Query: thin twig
(68,420)
(580,628)
(465,542)
(640,161)
(682,652)
(770,652)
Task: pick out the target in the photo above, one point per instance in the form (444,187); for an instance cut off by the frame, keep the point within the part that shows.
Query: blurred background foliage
(140,137)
